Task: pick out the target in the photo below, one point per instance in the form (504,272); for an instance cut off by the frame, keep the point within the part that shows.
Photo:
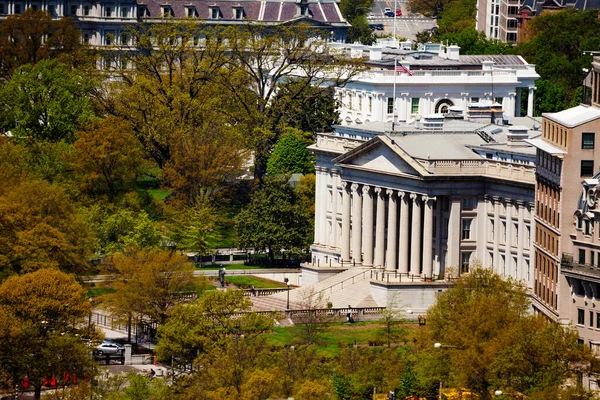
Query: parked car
(398,12)
(108,347)
(388,12)
(371,15)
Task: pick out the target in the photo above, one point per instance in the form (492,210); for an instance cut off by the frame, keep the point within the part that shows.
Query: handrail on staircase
(342,282)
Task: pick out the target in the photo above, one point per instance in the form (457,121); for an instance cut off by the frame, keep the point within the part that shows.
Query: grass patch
(258,283)
(338,335)
(99,291)
(212,267)
(159,194)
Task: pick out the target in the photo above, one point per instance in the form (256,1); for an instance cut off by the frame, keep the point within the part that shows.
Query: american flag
(402,69)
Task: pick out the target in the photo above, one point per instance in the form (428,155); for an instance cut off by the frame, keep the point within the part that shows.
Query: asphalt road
(407,25)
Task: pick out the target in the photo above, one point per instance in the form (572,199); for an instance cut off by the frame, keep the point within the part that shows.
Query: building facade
(567,241)
(439,80)
(498,19)
(425,204)
(105,22)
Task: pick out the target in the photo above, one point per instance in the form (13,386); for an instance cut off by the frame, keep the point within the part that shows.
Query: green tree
(33,36)
(107,157)
(274,219)
(490,341)
(190,227)
(353,8)
(549,97)
(360,31)
(44,309)
(210,322)
(45,102)
(555,43)
(122,228)
(149,283)
(41,228)
(291,154)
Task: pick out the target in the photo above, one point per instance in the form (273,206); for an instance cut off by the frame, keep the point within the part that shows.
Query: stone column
(318,206)
(428,237)
(367,238)
(392,237)
(345,221)
(335,234)
(496,238)
(380,229)
(530,102)
(404,233)
(439,265)
(521,234)
(415,243)
(356,224)
(518,103)
(454,229)
(509,237)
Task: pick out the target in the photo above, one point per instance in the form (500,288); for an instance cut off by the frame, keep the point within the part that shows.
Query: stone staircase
(350,287)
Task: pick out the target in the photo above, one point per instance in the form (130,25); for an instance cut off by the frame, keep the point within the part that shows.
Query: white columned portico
(345,221)
(380,229)
(520,240)
(454,234)
(356,224)
(404,233)
(530,102)
(509,236)
(392,238)
(367,239)
(415,244)
(496,238)
(428,237)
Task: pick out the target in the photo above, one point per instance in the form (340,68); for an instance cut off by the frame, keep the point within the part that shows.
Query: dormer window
(215,12)
(167,11)
(191,12)
(238,13)
(143,11)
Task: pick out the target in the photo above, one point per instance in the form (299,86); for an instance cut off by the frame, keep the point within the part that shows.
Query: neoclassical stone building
(441,80)
(423,204)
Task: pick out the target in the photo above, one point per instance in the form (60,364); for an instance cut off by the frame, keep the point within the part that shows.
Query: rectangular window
(17,9)
(52,10)
(414,105)
(370,104)
(597,320)
(467,203)
(86,38)
(86,10)
(587,140)
(108,12)
(516,230)
(124,12)
(591,321)
(360,105)
(466,229)
(511,24)
(498,99)
(598,260)
(474,99)
(465,258)
(191,12)
(580,316)
(123,39)
(581,256)
(73,10)
(239,13)
(434,226)
(390,105)
(587,167)
(214,13)
(2,8)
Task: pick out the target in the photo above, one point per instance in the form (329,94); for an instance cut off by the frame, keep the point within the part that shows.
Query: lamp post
(91,300)
(438,345)
(287,282)
(515,395)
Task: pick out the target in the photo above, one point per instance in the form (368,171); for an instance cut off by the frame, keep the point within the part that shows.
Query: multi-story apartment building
(439,80)
(104,21)
(567,239)
(498,19)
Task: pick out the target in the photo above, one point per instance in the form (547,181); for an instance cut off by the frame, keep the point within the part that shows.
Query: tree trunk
(37,393)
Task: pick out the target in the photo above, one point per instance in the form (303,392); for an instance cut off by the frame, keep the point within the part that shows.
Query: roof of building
(541,144)
(574,116)
(539,5)
(324,11)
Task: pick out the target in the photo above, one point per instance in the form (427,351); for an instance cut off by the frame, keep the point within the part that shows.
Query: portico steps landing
(349,287)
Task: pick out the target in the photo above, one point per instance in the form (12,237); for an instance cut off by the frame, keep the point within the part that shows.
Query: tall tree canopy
(33,36)
(274,220)
(40,313)
(489,340)
(291,155)
(45,102)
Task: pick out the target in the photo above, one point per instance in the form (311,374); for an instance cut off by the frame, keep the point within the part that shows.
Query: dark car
(389,13)
(377,27)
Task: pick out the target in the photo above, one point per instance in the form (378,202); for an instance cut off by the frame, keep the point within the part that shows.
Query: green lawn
(99,291)
(258,283)
(338,335)
(236,266)
(159,194)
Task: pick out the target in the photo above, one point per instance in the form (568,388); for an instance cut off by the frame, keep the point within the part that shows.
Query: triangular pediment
(381,155)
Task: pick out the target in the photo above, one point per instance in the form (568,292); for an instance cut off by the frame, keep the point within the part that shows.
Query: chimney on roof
(375,53)
(356,50)
(452,52)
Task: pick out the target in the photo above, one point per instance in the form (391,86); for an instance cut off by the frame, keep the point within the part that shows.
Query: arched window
(443,106)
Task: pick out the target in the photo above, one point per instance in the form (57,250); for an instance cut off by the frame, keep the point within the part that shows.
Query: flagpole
(395,8)
(394,98)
